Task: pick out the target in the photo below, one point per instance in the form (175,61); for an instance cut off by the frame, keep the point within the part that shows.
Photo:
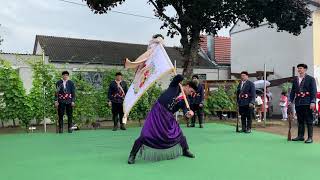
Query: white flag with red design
(150,67)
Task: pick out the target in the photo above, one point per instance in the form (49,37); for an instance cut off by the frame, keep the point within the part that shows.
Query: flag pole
(265,95)
(175,67)
(183,94)
(44,98)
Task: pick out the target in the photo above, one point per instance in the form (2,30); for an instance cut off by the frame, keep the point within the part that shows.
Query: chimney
(203,43)
(221,50)
(206,43)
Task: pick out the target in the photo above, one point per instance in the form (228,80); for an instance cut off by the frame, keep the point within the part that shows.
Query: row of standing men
(302,95)
(65,101)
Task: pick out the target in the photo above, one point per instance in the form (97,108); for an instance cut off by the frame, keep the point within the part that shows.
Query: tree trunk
(14,122)
(2,124)
(190,58)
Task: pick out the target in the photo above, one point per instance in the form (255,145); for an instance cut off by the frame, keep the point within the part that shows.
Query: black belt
(303,94)
(244,96)
(65,96)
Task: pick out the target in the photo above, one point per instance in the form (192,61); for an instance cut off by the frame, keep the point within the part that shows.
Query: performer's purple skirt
(161,135)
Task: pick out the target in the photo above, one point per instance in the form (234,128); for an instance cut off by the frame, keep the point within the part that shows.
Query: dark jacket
(170,98)
(246,94)
(305,93)
(197,97)
(66,94)
(115,93)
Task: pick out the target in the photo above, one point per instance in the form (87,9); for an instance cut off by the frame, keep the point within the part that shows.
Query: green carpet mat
(221,154)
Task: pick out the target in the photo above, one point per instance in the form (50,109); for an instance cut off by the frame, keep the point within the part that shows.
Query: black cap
(157,35)
(65,72)
(118,74)
(245,72)
(195,76)
(193,85)
(303,66)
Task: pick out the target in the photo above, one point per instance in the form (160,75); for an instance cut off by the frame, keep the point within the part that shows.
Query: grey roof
(71,50)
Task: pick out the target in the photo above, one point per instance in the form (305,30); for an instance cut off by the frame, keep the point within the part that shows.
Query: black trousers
(198,111)
(62,108)
(117,113)
(139,142)
(305,116)
(246,117)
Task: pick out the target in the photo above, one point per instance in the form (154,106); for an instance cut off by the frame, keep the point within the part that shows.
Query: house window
(94,78)
(202,76)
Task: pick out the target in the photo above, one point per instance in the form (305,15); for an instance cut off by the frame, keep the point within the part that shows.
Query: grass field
(102,155)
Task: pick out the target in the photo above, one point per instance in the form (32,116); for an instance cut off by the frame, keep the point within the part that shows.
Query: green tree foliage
(144,104)
(43,90)
(286,87)
(221,99)
(191,17)
(15,104)
(91,103)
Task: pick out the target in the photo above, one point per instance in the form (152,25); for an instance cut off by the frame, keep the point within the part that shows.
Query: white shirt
(64,84)
(242,83)
(300,79)
(259,100)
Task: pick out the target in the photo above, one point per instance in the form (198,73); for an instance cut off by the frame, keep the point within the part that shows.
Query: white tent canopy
(260,84)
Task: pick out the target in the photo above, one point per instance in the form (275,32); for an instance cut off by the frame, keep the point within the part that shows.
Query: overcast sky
(21,22)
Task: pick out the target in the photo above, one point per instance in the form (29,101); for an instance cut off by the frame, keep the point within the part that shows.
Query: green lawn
(102,154)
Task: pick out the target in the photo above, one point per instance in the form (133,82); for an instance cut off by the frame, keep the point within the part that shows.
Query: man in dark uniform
(196,102)
(161,137)
(303,95)
(117,91)
(65,100)
(246,94)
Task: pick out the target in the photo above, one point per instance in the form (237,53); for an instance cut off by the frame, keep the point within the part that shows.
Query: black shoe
(115,128)
(248,131)
(187,153)
(298,139)
(200,126)
(192,125)
(242,131)
(122,127)
(131,159)
(308,141)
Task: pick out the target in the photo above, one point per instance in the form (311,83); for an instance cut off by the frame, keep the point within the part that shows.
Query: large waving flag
(150,67)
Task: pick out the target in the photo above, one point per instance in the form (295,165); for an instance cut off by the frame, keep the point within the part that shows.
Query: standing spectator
(303,94)
(246,95)
(117,91)
(259,103)
(65,100)
(269,100)
(196,102)
(264,107)
(284,105)
(269,94)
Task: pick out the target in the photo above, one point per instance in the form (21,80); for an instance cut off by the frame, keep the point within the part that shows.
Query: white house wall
(18,62)
(212,74)
(251,49)
(280,51)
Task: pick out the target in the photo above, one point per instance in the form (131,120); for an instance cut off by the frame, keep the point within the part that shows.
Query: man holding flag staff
(161,131)
(161,137)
